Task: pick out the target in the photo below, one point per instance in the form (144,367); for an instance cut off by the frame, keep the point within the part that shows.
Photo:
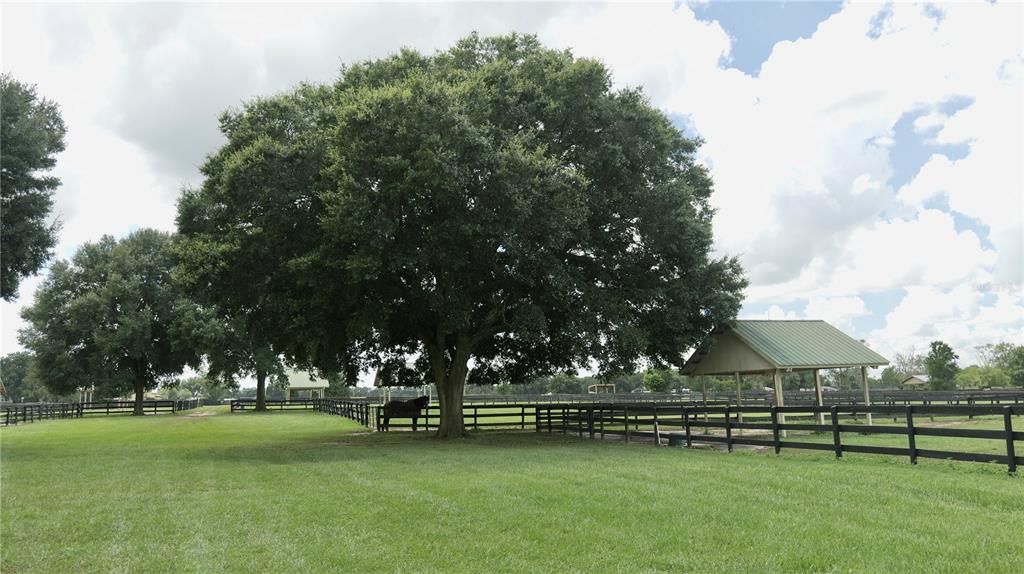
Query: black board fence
(19,413)
(150,406)
(22,413)
(474,416)
(680,425)
(353,409)
(240,405)
(1012,396)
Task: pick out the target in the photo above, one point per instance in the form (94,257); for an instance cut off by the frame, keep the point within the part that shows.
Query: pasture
(208,491)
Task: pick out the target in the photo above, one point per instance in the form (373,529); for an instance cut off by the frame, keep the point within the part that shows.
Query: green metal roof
(805,344)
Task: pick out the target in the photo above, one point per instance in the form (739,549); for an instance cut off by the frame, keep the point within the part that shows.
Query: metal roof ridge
(780,320)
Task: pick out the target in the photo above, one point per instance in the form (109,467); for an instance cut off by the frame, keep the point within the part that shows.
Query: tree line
(999,365)
(493,213)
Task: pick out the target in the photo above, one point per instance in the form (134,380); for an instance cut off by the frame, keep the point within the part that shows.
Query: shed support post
(779,400)
(704,398)
(818,399)
(867,394)
(739,401)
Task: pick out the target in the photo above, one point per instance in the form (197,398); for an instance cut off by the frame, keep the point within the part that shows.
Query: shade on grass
(298,492)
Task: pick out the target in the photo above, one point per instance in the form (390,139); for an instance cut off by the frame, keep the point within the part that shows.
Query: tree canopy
(112,317)
(31,134)
(941,365)
(496,210)
(1009,358)
(982,378)
(20,379)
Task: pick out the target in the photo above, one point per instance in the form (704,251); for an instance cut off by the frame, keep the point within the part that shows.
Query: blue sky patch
(912,148)
(961,222)
(878,22)
(879,304)
(755,27)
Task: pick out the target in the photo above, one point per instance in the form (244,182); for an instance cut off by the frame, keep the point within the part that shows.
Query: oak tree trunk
(450,391)
(449,373)
(140,395)
(261,390)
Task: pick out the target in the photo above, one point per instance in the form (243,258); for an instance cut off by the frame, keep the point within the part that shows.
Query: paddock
(217,493)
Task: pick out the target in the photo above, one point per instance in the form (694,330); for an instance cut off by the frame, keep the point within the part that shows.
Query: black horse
(404,409)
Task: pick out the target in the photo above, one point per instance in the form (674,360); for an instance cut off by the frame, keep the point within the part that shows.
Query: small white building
(303,385)
(915,382)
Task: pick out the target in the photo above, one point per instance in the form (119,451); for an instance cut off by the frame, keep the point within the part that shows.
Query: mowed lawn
(300,492)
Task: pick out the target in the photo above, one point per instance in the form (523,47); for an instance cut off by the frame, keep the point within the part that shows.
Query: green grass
(299,492)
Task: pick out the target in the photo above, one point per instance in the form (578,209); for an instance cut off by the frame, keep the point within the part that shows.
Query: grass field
(208,491)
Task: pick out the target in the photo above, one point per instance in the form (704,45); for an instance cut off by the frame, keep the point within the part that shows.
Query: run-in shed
(302,383)
(774,347)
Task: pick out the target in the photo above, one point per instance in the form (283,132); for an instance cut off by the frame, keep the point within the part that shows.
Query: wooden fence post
(1008,426)
(686,426)
(625,417)
(775,429)
(657,427)
(728,431)
(836,436)
(911,439)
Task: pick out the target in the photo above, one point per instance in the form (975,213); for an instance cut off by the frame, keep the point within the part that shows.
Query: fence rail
(679,422)
(239,405)
(474,416)
(756,398)
(152,406)
(16,413)
(353,409)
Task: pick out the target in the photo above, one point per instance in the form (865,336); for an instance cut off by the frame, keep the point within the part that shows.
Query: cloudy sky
(867,157)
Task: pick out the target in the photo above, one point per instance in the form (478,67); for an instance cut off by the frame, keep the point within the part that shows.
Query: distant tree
(1010,358)
(891,378)
(338,388)
(941,366)
(206,387)
(994,378)
(986,354)
(565,383)
(234,353)
(656,381)
(842,379)
(624,382)
(112,317)
(497,209)
(31,135)
(193,386)
(19,376)
(908,363)
(975,377)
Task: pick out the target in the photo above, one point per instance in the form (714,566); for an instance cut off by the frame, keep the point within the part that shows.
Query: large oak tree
(497,210)
(31,134)
(112,317)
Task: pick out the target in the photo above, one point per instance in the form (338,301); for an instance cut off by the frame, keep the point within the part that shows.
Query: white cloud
(775,313)
(839,311)
(883,255)
(930,121)
(956,316)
